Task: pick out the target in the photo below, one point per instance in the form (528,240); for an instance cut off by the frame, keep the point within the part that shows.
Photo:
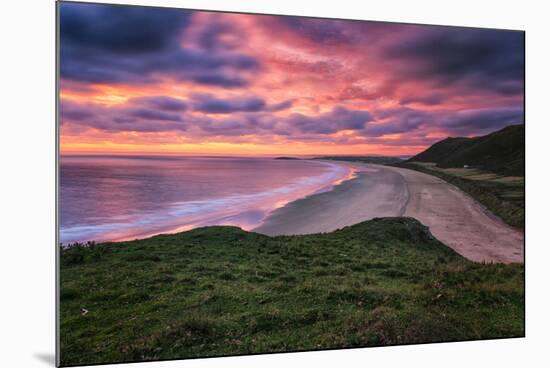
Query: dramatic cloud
(338,119)
(161,103)
(135,116)
(120,44)
(214,105)
(398,121)
(463,122)
(74,113)
(168,80)
(478,58)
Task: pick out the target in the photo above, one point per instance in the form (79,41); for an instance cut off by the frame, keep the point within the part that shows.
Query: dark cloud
(281,106)
(245,115)
(160,102)
(430,100)
(249,116)
(148,114)
(298,126)
(393,121)
(124,44)
(479,58)
(228,81)
(235,126)
(340,118)
(511,87)
(72,112)
(482,120)
(210,104)
(135,116)
(457,123)
(124,30)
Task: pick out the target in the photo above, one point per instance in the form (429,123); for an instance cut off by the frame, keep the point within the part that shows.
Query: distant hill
(501,152)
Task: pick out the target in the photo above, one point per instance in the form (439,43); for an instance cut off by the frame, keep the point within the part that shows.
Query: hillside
(501,152)
(223,291)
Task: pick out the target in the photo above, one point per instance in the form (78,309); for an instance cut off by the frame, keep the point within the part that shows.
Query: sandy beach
(382,191)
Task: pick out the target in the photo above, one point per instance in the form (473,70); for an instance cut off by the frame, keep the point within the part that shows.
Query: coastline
(247,211)
(452,216)
(371,191)
(359,199)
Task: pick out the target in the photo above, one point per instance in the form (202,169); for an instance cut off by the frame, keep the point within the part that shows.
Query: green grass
(503,195)
(221,291)
(501,152)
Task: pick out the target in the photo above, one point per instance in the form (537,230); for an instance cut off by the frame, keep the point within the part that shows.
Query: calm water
(116,198)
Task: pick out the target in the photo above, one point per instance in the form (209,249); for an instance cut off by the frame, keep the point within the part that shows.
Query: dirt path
(459,221)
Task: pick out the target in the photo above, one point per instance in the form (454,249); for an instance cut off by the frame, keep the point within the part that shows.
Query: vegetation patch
(223,291)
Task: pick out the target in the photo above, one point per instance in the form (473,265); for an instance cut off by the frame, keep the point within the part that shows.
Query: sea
(115,198)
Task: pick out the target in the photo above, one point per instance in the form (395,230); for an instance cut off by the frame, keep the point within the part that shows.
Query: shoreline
(374,191)
(236,212)
(356,200)
(453,217)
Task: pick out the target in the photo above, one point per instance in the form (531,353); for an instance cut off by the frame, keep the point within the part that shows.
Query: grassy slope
(221,290)
(501,152)
(502,195)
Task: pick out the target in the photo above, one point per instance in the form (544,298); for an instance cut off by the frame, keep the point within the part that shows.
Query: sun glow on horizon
(240,84)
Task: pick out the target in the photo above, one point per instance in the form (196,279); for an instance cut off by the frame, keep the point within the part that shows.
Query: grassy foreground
(221,291)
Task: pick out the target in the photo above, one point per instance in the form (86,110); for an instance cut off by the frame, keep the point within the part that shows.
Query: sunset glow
(169,81)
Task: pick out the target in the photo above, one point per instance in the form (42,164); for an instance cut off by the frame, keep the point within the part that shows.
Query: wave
(246,211)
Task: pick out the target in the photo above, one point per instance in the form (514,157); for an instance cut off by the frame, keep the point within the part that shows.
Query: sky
(171,81)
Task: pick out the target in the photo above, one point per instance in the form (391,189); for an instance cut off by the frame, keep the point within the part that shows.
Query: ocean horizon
(123,197)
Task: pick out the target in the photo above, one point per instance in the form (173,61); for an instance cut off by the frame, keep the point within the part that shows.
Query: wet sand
(374,193)
(382,191)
